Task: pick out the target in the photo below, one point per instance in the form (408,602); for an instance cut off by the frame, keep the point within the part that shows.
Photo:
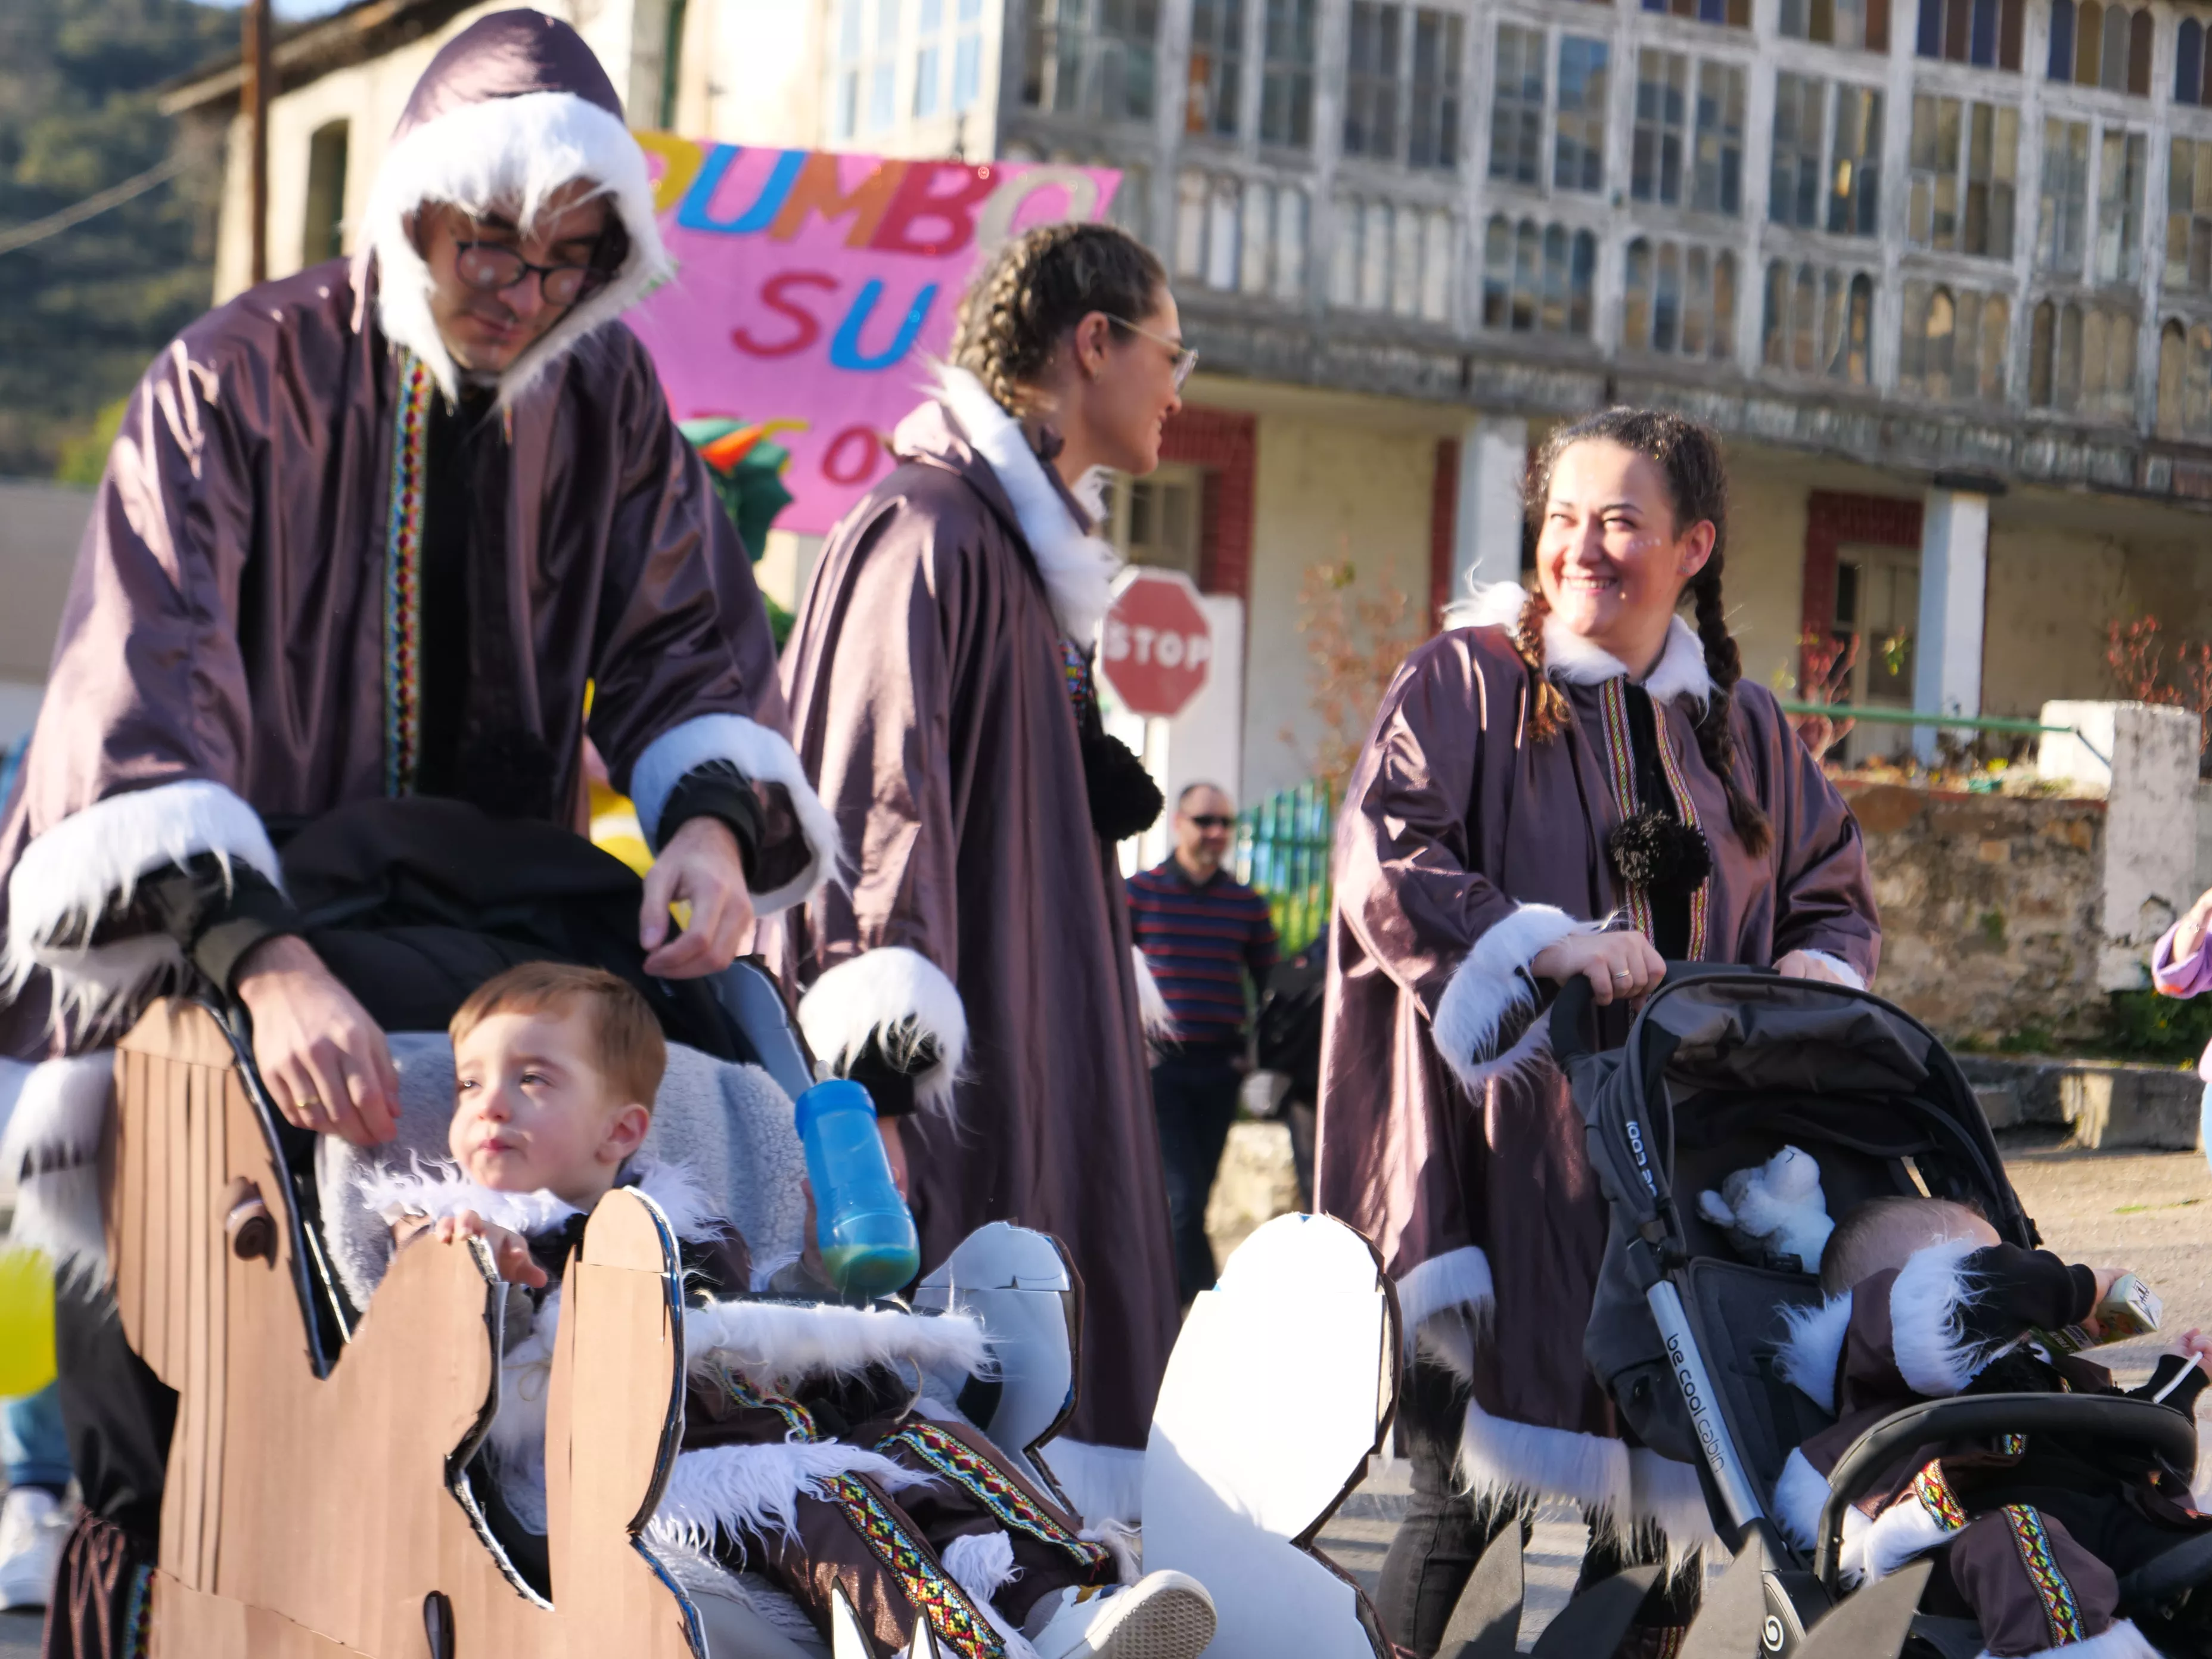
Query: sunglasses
(1211,821)
(1185,359)
(492,267)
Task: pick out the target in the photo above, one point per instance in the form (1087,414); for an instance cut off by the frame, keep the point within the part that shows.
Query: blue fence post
(1283,846)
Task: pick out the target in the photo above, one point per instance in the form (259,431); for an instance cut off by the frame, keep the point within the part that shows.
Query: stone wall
(1990,909)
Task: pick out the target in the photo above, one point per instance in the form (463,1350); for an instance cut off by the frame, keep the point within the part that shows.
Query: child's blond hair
(627,1046)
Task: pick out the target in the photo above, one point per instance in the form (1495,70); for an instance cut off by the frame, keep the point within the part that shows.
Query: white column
(1954,562)
(1493,452)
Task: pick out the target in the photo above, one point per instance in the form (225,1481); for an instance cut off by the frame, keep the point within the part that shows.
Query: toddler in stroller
(809,1454)
(2029,1532)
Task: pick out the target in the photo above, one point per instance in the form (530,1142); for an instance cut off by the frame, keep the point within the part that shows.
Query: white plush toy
(1774,1209)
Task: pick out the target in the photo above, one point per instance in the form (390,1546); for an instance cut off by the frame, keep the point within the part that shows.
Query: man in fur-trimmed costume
(1925,1301)
(804,1457)
(365,536)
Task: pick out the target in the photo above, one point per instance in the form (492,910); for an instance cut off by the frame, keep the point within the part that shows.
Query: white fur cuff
(875,994)
(1152,1006)
(761,755)
(1458,1279)
(52,1152)
(1933,1353)
(69,877)
(1813,1347)
(1492,984)
(1842,969)
(739,1489)
(1800,1495)
(774,1343)
(1619,1487)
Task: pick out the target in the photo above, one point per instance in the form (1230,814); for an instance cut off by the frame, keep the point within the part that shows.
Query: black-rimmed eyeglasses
(493,267)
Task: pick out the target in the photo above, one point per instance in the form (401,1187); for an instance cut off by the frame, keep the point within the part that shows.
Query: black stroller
(1722,1068)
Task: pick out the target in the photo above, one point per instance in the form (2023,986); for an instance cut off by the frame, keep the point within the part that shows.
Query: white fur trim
(1124,1543)
(870,995)
(52,1152)
(1078,569)
(762,756)
(1842,969)
(776,1343)
(703,1576)
(1152,1006)
(1813,1348)
(1499,1459)
(512,153)
(67,878)
(1800,1495)
(983,1563)
(1933,1354)
(1906,1530)
(1105,1484)
(756,1488)
(2119,1640)
(1457,1279)
(1680,671)
(435,1188)
(1492,982)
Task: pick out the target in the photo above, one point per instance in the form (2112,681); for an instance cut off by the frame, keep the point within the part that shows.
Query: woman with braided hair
(977,963)
(1568,782)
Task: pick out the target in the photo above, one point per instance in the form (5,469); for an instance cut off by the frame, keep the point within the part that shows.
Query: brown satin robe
(930,707)
(1455,814)
(226,618)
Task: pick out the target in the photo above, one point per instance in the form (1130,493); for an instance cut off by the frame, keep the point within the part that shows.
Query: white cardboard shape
(1016,1282)
(1270,1408)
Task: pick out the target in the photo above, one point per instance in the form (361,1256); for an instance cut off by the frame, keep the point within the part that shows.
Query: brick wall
(1226,444)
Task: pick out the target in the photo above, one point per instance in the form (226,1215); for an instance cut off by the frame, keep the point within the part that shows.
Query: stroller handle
(1571,1009)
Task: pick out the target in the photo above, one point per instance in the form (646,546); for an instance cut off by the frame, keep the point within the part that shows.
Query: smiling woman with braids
(1568,782)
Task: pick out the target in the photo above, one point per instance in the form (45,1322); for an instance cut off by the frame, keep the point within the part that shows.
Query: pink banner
(813,290)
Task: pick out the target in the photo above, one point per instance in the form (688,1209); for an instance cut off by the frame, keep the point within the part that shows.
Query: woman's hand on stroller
(699,866)
(1619,966)
(1803,964)
(323,1059)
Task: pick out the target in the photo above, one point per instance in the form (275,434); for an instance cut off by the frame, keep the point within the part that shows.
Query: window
(1155,520)
(968,56)
(2189,82)
(1216,77)
(2101,46)
(1579,149)
(1516,105)
(2188,216)
(1951,345)
(851,35)
(1794,190)
(1370,81)
(2081,360)
(1818,322)
(322,232)
(1241,235)
(928,60)
(1396,257)
(1965,158)
(1286,79)
(2061,228)
(1731,14)
(1439,41)
(2184,382)
(1983,32)
(1662,96)
(1855,164)
(2123,162)
(883,69)
(1718,159)
(1861,25)
(1094,58)
(1680,301)
(1537,279)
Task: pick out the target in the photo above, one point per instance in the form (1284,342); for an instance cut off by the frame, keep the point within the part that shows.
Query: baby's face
(532,1111)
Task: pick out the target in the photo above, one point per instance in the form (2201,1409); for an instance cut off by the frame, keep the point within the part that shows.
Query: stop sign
(1157,645)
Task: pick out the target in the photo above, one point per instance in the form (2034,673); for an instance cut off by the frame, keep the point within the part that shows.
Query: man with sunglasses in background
(367,536)
(1209,943)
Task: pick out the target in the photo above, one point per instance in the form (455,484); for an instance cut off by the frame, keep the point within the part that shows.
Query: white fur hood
(1680,671)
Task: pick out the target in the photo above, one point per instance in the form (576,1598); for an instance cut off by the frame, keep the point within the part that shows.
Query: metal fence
(1282,848)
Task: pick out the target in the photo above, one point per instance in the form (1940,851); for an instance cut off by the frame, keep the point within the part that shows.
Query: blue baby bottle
(865,1231)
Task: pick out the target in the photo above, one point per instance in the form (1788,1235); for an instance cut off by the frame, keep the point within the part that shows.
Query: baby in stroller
(809,1454)
(1923,1301)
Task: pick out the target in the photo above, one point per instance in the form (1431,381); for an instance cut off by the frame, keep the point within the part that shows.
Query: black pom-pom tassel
(1124,799)
(1660,854)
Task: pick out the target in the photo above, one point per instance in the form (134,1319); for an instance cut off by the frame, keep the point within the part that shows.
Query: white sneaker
(1164,1615)
(33,1526)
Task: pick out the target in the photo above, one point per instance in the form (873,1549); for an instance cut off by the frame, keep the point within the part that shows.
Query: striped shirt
(1200,942)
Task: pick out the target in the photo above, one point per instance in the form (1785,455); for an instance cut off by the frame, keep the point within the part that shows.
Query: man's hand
(322,1058)
(2188,933)
(699,867)
(1803,964)
(1616,965)
(510,1250)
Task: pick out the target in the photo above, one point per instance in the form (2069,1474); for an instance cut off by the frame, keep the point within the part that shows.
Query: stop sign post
(1157,647)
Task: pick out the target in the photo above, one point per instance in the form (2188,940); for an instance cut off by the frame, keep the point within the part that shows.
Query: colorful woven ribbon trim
(798,1422)
(2060,1610)
(1620,763)
(958,1624)
(402,577)
(1076,665)
(1937,1497)
(950,1456)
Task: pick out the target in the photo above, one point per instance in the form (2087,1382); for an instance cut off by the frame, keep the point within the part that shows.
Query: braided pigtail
(1550,715)
(1037,288)
(1716,738)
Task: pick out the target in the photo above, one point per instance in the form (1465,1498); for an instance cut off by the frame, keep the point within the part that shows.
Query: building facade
(1940,271)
